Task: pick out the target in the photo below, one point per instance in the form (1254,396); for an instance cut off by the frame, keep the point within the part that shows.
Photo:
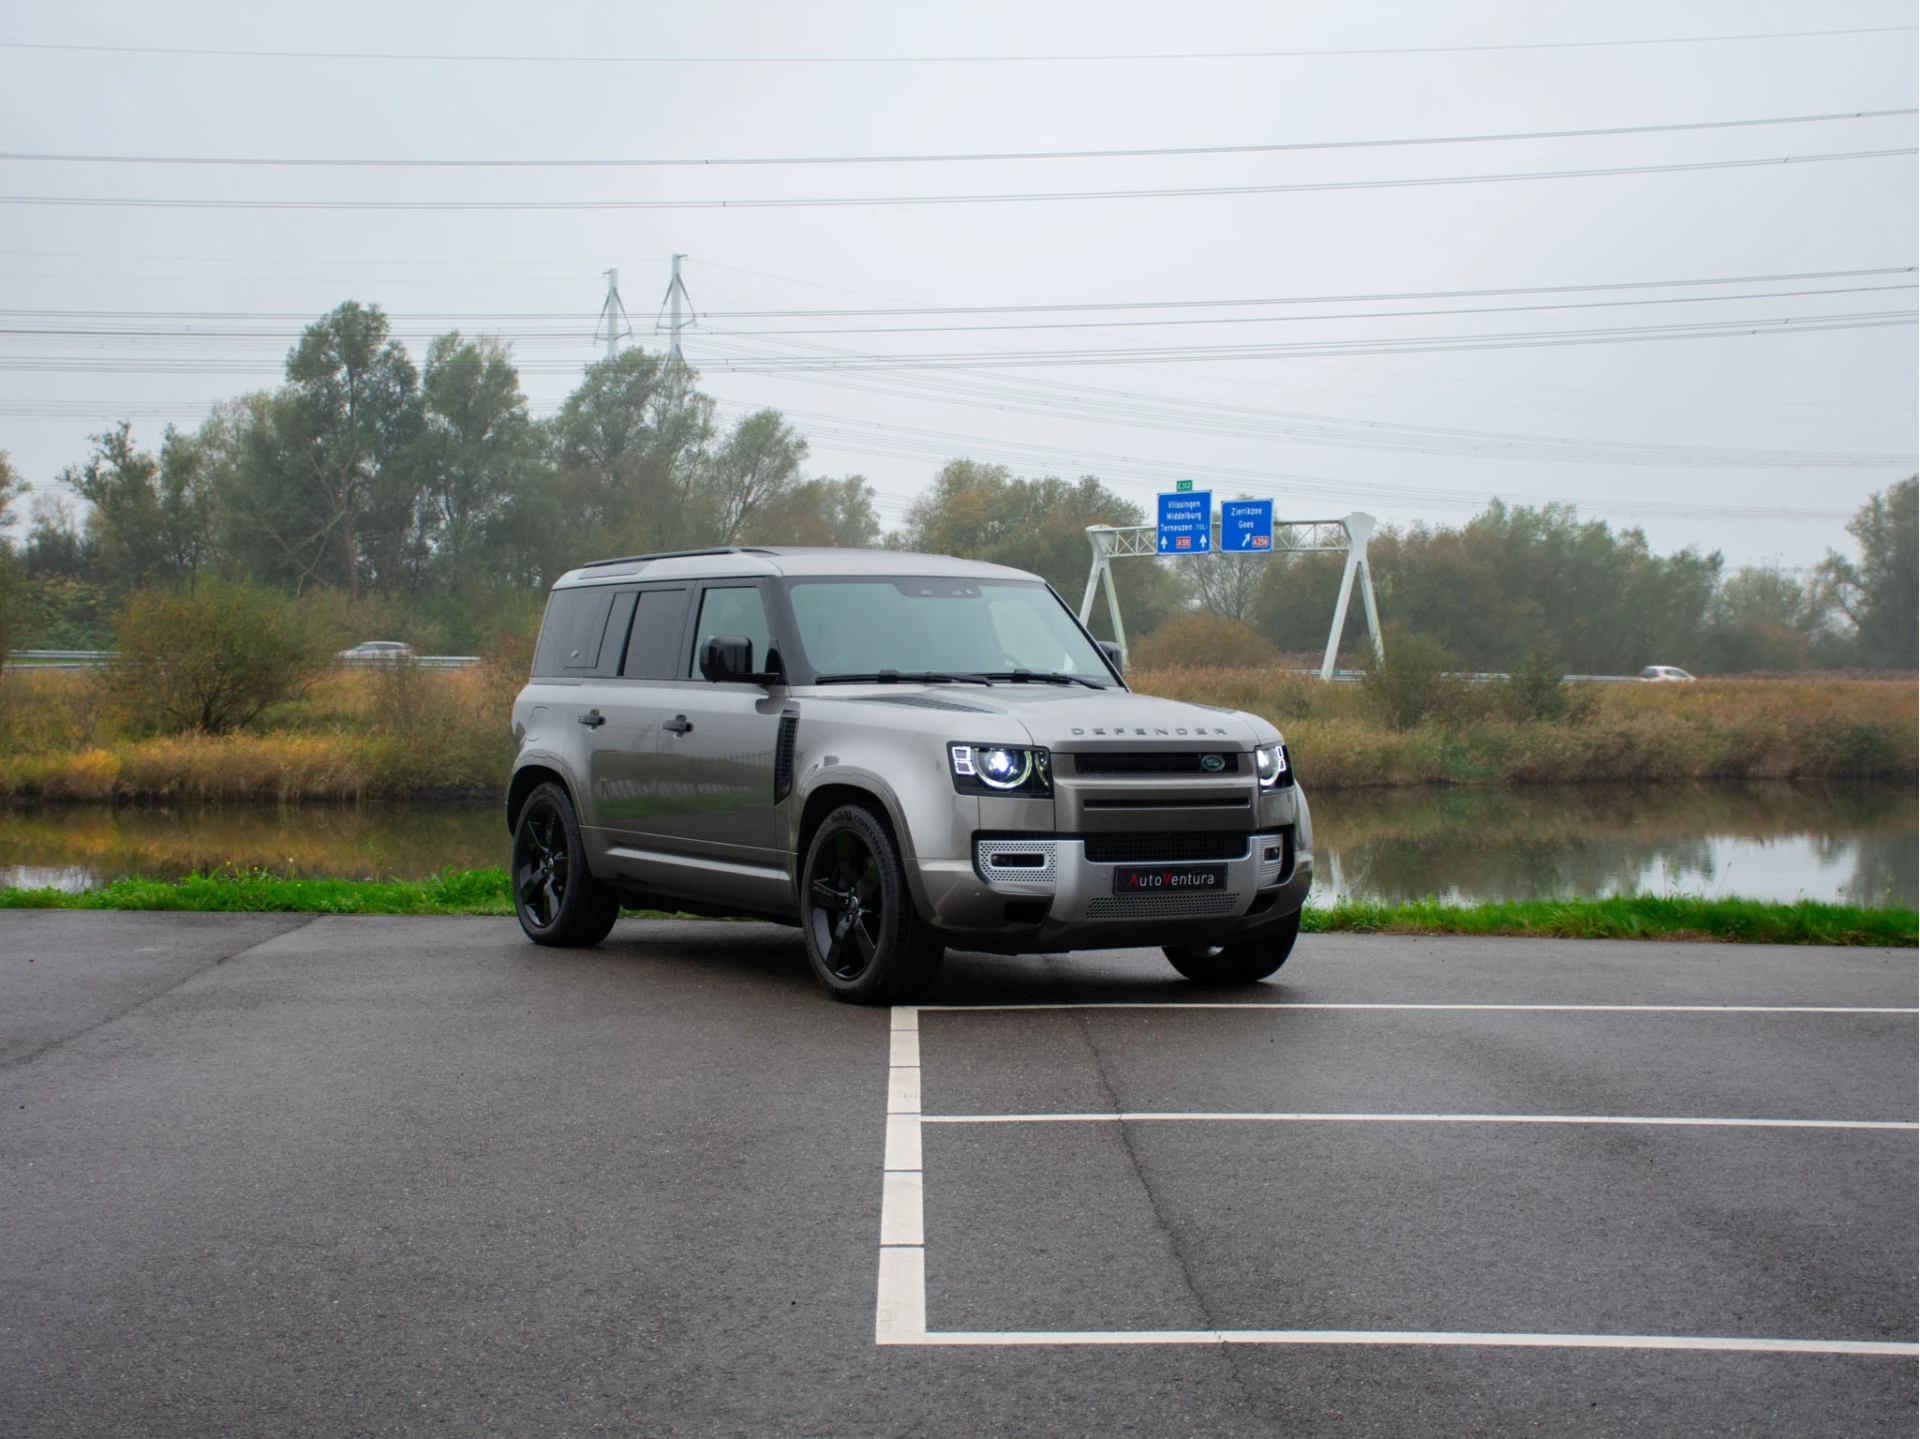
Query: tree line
(428,503)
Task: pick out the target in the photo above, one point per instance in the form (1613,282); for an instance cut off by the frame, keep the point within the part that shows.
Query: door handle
(593,719)
(679,724)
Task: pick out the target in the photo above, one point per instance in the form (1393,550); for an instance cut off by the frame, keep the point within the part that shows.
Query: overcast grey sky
(1749,439)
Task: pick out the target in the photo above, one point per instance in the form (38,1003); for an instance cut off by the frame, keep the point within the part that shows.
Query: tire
(864,939)
(555,896)
(1248,962)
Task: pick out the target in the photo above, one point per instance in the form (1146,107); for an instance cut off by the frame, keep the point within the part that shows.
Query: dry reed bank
(397,732)
(1728,729)
(382,732)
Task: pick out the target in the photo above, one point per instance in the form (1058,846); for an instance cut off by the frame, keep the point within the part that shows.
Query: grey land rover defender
(898,753)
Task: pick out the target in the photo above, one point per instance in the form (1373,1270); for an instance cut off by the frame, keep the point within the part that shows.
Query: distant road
(89,659)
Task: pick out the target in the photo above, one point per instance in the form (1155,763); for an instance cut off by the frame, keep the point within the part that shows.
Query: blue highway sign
(1186,523)
(1246,526)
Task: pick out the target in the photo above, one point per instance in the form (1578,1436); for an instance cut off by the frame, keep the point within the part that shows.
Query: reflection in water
(1855,844)
(74,846)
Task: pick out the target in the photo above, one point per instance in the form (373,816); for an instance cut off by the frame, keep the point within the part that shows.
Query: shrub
(1410,681)
(210,658)
(1536,690)
(1194,640)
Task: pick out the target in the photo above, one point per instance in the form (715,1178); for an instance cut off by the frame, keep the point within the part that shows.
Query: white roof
(727,564)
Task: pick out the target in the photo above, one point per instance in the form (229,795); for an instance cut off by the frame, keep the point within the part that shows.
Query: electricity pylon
(613,325)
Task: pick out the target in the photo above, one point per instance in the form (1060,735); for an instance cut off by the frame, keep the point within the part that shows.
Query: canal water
(1852,844)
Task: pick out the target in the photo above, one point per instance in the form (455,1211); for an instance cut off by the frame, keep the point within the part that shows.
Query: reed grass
(398,731)
(486,892)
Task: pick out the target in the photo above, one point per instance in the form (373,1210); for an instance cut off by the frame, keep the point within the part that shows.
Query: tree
(1879,594)
(477,465)
(757,464)
(1762,618)
(12,570)
(981,512)
(1202,641)
(149,518)
(210,659)
(628,443)
(837,514)
(1227,586)
(351,406)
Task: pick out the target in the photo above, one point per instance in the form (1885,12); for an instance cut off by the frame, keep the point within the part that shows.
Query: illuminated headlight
(1271,765)
(1000,769)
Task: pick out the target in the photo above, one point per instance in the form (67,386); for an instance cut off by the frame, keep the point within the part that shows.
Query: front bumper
(1042,893)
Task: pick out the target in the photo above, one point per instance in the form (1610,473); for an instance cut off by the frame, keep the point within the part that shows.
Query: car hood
(1080,719)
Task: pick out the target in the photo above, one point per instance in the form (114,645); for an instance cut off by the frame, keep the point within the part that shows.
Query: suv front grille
(1154,762)
(1192,844)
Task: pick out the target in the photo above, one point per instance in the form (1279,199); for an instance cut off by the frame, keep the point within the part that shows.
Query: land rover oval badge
(1212,763)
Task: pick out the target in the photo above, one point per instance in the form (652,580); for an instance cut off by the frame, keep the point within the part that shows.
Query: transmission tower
(613,325)
(676,321)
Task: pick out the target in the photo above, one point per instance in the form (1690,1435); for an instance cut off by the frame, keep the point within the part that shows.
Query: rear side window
(655,643)
(570,639)
(732,611)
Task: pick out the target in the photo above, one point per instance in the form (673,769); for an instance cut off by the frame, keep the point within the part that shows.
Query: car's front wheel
(864,939)
(557,899)
(1247,962)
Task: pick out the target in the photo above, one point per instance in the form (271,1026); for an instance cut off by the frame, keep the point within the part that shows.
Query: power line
(1182,151)
(859,201)
(1013,359)
(1055,400)
(1156,56)
(1371,346)
(410,328)
(1336,299)
(489,317)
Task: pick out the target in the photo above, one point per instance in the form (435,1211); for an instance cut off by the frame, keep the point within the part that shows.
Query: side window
(570,637)
(614,646)
(731,611)
(655,643)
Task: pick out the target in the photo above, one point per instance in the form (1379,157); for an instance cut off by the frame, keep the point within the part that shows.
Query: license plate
(1168,878)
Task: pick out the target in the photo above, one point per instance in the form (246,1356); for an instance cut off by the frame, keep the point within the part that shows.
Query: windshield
(955,626)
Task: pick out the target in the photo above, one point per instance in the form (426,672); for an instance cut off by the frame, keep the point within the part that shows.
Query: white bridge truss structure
(1346,536)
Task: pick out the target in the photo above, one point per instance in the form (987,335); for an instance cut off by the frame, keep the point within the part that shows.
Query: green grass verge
(1643,916)
(469,891)
(484,891)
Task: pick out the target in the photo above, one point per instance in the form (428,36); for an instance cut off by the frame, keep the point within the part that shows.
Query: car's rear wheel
(556,898)
(1247,962)
(864,939)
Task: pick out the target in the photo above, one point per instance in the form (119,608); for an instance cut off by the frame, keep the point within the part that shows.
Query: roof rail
(680,555)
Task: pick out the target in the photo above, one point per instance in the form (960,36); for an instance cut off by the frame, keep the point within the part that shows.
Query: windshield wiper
(888,677)
(1045,677)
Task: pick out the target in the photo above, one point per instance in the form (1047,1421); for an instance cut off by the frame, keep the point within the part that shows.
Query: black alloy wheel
(555,896)
(1248,962)
(865,941)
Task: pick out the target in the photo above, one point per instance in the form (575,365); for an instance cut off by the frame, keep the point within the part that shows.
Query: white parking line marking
(900,1307)
(900,1210)
(1228,1116)
(900,1298)
(1417,1337)
(900,1316)
(1470,1008)
(903,1142)
(903,1091)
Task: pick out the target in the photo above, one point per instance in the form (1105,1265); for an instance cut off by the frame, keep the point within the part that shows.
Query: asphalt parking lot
(354,1176)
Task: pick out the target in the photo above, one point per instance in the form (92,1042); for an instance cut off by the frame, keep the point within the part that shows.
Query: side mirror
(1113,654)
(727,657)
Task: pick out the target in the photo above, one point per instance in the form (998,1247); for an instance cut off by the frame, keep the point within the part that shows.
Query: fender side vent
(783,756)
